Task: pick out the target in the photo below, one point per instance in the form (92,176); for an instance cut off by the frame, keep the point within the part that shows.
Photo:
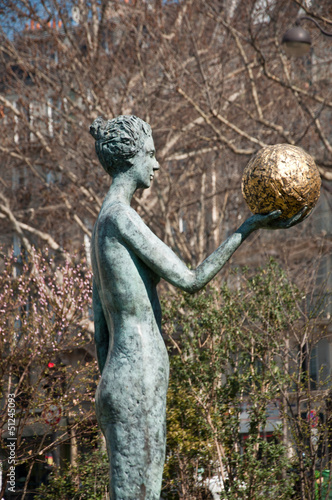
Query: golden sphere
(281,177)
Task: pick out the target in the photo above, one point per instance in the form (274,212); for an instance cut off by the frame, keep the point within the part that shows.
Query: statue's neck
(122,189)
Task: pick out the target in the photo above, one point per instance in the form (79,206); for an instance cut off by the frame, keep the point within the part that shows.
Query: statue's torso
(127,290)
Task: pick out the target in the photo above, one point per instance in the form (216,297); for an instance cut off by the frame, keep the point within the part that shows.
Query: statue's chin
(144,185)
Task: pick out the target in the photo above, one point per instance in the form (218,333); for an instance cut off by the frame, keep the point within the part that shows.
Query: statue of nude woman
(128,260)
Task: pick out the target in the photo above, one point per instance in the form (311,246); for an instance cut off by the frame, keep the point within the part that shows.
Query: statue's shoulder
(117,214)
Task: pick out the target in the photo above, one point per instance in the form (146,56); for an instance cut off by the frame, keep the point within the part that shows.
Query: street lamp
(296,41)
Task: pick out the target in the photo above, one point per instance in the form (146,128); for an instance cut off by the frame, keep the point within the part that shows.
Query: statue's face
(144,164)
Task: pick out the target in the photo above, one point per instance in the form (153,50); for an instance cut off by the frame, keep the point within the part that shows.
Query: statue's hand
(273,220)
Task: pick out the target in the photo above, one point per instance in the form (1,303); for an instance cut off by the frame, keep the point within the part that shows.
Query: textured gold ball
(281,177)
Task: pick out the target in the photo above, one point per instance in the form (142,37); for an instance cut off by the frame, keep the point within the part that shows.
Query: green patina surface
(128,261)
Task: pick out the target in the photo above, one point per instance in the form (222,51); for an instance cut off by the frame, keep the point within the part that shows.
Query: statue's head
(119,140)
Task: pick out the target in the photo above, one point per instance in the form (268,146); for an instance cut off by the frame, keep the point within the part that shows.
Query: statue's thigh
(136,455)
(131,411)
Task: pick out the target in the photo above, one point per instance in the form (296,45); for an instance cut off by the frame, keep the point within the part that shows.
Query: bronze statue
(128,260)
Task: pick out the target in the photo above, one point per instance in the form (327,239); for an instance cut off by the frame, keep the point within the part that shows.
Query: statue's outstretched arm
(165,263)
(101,329)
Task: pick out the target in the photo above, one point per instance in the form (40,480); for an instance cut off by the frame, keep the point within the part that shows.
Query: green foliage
(229,351)
(86,480)
(189,447)
(233,352)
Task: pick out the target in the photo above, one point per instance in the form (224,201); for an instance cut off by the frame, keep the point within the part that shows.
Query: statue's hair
(118,140)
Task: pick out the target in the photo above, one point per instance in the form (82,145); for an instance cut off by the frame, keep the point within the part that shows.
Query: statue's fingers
(309,210)
(297,217)
(301,214)
(274,215)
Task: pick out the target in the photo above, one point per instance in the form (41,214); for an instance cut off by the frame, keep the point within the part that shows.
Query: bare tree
(210,77)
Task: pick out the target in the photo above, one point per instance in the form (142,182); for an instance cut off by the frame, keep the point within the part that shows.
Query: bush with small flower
(47,358)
